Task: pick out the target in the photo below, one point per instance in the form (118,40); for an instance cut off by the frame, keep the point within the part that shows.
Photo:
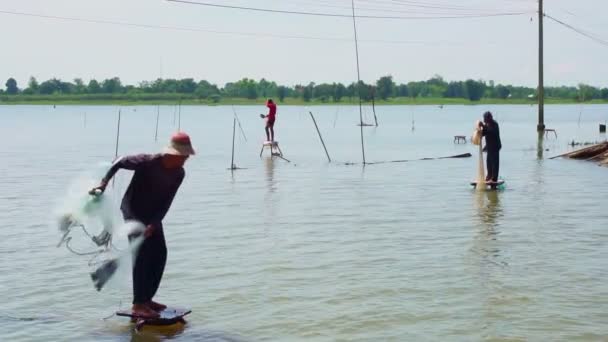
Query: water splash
(94,221)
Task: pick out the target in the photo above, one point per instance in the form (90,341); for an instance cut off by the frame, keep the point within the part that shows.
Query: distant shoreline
(60,100)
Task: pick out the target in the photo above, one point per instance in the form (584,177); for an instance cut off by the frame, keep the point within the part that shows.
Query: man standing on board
(270,117)
(155,181)
(490,130)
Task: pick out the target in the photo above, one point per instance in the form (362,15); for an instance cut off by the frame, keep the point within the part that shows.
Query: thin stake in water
(179,116)
(157,118)
(358,81)
(232,166)
(239,122)
(374,105)
(117,140)
(320,137)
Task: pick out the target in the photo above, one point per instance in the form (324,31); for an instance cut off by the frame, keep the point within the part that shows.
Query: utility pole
(541,86)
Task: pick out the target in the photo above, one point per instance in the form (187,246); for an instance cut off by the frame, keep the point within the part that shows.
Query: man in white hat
(155,182)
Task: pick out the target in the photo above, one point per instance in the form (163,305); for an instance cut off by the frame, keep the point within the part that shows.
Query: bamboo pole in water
(179,116)
(320,137)
(239,122)
(157,118)
(374,105)
(358,82)
(117,140)
(232,166)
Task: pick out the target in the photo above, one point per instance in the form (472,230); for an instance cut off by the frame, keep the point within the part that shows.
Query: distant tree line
(384,88)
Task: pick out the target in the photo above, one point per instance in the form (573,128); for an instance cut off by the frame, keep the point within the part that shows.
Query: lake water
(315,251)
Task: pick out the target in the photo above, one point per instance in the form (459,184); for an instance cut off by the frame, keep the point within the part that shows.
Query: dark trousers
(492,163)
(149,266)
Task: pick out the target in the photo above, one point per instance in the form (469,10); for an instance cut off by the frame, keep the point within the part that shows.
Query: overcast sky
(229,44)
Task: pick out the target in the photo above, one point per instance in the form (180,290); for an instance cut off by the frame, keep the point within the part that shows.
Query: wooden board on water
(490,183)
(167,316)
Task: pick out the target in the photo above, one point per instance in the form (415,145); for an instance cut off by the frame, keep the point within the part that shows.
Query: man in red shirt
(270,117)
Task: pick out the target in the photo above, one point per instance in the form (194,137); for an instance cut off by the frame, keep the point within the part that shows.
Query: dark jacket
(492,133)
(152,188)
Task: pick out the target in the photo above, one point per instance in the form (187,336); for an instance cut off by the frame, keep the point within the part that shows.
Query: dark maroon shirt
(152,188)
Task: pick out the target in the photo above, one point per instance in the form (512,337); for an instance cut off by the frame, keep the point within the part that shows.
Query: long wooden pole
(374,105)
(358,81)
(179,116)
(117,134)
(320,137)
(157,118)
(239,122)
(117,140)
(232,167)
(541,86)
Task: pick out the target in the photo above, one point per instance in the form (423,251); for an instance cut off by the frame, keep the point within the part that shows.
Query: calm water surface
(315,251)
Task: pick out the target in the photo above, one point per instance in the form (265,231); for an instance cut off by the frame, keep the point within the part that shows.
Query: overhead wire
(338,15)
(236,33)
(589,35)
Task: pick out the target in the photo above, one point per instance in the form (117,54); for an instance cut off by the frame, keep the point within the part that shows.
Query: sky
(180,40)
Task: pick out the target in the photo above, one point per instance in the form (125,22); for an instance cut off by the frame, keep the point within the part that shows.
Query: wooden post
(374,105)
(541,86)
(239,122)
(320,137)
(157,118)
(232,167)
(117,139)
(358,81)
(179,116)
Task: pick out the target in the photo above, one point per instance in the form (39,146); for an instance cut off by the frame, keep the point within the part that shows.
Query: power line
(579,31)
(440,6)
(236,33)
(391,9)
(336,15)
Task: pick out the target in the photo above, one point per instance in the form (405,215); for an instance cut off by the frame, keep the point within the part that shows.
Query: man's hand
(100,188)
(262,116)
(149,231)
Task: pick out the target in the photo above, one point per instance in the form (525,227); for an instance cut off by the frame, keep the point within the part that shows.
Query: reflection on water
(489,213)
(157,333)
(539,146)
(269,166)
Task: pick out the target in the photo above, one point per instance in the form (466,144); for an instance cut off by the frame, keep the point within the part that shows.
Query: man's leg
(272,132)
(267,133)
(496,166)
(141,271)
(158,268)
(488,166)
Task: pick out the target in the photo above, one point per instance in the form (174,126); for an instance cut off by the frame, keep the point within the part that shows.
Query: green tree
(475,89)
(402,90)
(186,86)
(11,86)
(112,85)
(32,86)
(308,92)
(79,87)
(205,89)
(323,91)
(587,92)
(281,93)
(93,87)
(339,91)
(455,90)
(604,93)
(51,86)
(385,87)
(502,92)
